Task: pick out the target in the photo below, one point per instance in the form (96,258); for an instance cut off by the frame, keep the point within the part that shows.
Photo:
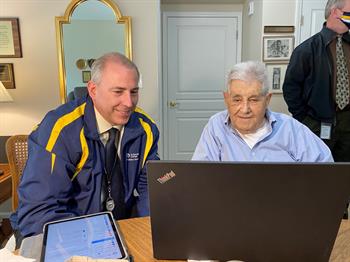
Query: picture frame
(278,29)
(276,74)
(7,76)
(86,75)
(10,38)
(277,48)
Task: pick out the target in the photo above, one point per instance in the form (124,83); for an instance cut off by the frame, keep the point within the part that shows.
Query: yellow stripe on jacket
(59,125)
(149,139)
(84,155)
(139,110)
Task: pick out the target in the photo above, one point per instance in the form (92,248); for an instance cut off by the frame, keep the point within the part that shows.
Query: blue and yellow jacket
(65,166)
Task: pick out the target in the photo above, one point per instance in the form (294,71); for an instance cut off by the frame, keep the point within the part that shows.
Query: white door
(312,18)
(198,51)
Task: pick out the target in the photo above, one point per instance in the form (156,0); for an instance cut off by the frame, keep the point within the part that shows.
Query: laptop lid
(246,211)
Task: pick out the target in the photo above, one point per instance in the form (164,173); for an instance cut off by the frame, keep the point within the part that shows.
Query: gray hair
(100,63)
(250,71)
(333,4)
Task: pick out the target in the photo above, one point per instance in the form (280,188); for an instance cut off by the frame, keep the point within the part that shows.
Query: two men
(316,85)
(248,131)
(67,172)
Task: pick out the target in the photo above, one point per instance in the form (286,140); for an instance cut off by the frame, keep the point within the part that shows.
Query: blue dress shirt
(287,141)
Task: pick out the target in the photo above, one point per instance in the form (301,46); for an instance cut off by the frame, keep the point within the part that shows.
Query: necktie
(115,187)
(342,86)
(111,150)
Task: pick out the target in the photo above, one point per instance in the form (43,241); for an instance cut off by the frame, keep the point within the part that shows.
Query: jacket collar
(133,128)
(90,124)
(329,35)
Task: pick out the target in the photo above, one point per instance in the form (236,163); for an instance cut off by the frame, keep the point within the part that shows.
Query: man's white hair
(250,71)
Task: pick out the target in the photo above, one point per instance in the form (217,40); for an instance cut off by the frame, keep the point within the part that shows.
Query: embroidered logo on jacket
(132,156)
(166,177)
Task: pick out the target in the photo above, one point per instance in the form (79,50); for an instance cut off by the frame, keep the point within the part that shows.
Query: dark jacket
(307,86)
(65,168)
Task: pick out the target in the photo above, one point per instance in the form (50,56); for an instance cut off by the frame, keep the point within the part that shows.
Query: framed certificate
(10,40)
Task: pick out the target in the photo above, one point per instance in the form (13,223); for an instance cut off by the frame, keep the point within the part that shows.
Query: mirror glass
(88,29)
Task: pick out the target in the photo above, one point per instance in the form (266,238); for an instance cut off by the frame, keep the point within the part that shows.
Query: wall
(145,16)
(278,13)
(36,73)
(252,32)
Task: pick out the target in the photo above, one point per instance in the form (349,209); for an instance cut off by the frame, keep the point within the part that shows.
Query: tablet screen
(94,236)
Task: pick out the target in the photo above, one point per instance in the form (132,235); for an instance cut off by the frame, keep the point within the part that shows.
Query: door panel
(312,12)
(200,50)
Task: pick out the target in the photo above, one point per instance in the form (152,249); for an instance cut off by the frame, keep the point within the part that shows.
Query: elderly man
(248,131)
(89,155)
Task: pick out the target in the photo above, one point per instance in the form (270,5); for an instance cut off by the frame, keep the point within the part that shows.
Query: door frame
(298,8)
(163,92)
(298,20)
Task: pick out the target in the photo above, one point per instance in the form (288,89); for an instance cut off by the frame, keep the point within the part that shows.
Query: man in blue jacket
(66,173)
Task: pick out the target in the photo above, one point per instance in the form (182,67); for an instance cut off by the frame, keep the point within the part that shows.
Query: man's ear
(335,12)
(226,98)
(91,87)
(268,98)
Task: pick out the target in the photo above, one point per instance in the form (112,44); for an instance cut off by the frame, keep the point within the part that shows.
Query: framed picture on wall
(7,77)
(10,39)
(277,48)
(276,73)
(86,75)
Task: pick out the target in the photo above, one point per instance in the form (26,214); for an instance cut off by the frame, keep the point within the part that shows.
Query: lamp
(4,97)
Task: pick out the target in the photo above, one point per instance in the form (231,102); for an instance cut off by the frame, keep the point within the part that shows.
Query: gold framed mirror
(88,29)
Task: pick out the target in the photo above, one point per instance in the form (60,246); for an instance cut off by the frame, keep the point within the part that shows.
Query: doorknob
(172,104)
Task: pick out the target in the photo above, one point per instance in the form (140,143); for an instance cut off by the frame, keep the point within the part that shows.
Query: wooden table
(5,183)
(137,235)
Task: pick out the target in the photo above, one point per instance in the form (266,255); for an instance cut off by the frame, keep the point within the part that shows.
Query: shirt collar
(102,124)
(270,117)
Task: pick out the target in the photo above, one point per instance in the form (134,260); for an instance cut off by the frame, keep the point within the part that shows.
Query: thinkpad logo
(166,177)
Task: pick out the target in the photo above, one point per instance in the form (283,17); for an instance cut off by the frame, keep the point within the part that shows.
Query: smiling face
(246,105)
(116,96)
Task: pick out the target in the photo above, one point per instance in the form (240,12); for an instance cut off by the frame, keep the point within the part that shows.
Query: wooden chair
(17,154)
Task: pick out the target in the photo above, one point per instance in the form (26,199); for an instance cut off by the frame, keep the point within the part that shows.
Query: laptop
(246,211)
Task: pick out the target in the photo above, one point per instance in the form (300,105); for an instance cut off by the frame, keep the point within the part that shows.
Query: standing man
(316,85)
(89,155)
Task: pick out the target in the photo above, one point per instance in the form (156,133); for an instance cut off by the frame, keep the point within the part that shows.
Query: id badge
(326,129)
